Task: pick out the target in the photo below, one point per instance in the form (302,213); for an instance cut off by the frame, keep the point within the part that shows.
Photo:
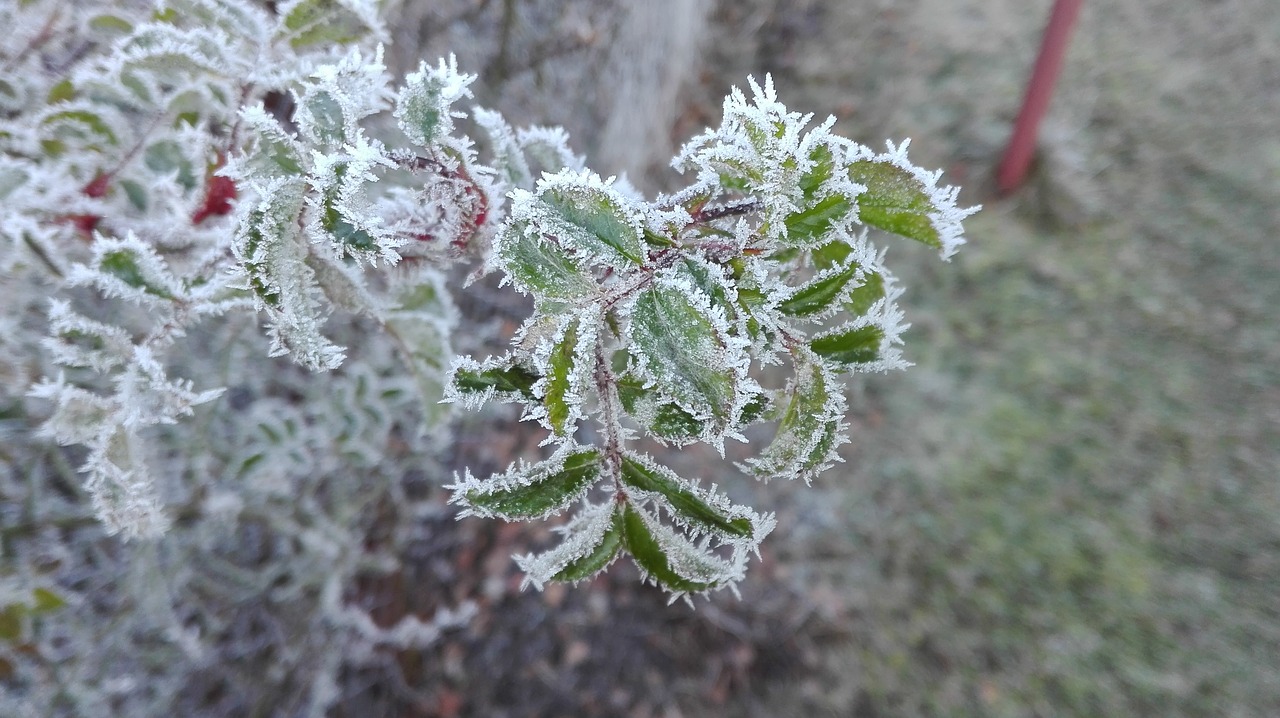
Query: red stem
(1017,158)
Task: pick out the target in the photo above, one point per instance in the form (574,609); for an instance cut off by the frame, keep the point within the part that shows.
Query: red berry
(97,187)
(218,193)
(84,222)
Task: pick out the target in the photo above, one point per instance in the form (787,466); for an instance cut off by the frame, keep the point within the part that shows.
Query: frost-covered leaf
(274,153)
(671,560)
(273,262)
(905,199)
(824,292)
(703,511)
(508,155)
(337,96)
(331,22)
(473,382)
(424,105)
(591,542)
(77,341)
(810,428)
(547,149)
(166,157)
(812,223)
(128,268)
(559,385)
(591,216)
(535,491)
(850,345)
(536,263)
(343,212)
(659,414)
(684,345)
(84,122)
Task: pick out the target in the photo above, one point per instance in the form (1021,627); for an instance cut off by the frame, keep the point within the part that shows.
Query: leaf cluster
(657,318)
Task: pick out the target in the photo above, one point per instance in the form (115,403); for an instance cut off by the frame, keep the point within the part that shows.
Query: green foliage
(660,316)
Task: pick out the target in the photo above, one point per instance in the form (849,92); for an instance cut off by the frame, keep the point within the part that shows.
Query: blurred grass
(1071,509)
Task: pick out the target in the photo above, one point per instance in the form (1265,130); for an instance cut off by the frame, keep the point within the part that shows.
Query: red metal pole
(1017,158)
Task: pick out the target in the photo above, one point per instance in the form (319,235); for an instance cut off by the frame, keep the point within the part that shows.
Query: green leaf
(313,22)
(46,600)
(851,346)
(819,294)
(594,562)
(136,194)
(830,254)
(354,240)
(61,91)
(683,349)
(650,557)
(690,507)
(416,319)
(706,279)
(812,224)
(868,293)
(661,416)
(895,201)
(558,381)
(539,492)
(122,265)
(327,124)
(824,167)
(111,25)
(808,428)
(871,291)
(259,278)
(597,220)
(654,239)
(11,622)
(514,379)
(93,121)
(755,410)
(166,157)
(12,178)
(540,265)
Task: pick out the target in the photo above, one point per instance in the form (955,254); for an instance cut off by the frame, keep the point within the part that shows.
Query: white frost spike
(582,535)
(123,494)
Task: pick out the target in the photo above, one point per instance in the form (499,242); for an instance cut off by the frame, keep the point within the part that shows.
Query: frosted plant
(209,158)
(173,174)
(654,318)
